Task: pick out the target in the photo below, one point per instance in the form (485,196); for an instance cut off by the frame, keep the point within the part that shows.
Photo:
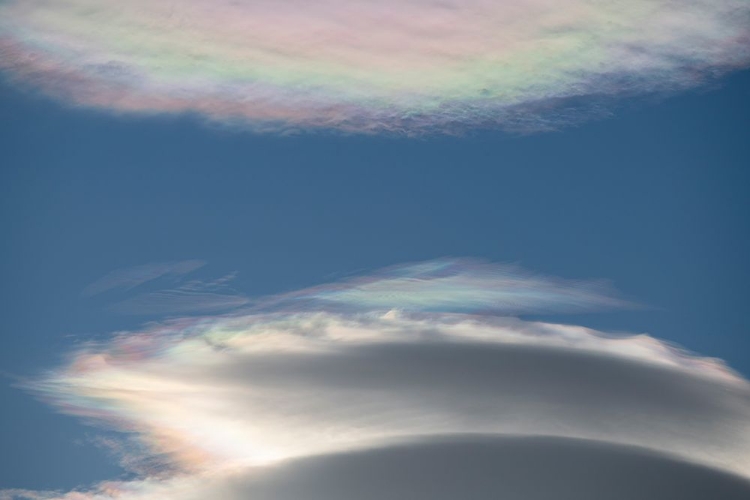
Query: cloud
(131,277)
(268,403)
(185,297)
(492,467)
(448,284)
(193,297)
(458,285)
(510,468)
(366,66)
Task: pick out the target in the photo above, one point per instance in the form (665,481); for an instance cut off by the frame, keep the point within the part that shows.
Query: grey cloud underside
(497,379)
(489,467)
(446,387)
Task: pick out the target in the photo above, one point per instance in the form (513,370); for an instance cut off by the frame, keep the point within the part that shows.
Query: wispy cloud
(131,277)
(180,297)
(193,297)
(223,406)
(367,66)
(456,285)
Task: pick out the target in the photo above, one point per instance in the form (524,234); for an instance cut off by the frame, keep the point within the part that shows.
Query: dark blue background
(654,198)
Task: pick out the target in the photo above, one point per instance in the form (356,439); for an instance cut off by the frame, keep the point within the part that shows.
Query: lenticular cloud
(218,406)
(364,65)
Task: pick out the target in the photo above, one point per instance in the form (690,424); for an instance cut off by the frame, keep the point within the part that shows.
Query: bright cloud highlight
(365,66)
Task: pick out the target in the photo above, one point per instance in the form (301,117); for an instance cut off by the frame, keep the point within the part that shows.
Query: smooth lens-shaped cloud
(228,398)
(363,65)
(239,406)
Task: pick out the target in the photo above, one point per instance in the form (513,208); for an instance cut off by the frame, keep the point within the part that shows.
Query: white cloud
(219,404)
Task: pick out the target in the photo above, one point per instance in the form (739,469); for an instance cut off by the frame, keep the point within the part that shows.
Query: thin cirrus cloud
(182,297)
(192,297)
(363,400)
(369,66)
(131,277)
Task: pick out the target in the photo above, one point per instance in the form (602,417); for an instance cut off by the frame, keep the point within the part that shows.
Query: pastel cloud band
(453,285)
(367,66)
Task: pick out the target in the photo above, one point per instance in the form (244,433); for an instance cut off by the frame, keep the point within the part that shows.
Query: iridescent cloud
(363,65)
(207,402)
(454,285)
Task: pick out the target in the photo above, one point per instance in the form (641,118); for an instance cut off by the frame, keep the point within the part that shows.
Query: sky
(336,250)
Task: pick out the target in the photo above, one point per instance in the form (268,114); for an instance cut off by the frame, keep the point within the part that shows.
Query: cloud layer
(363,65)
(242,405)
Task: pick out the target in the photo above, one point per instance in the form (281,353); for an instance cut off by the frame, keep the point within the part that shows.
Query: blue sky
(651,198)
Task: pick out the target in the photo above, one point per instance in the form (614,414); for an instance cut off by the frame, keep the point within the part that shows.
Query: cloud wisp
(183,296)
(235,406)
(131,277)
(192,297)
(366,66)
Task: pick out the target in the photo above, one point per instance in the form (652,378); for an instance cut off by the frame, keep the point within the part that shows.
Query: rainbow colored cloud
(364,65)
(208,406)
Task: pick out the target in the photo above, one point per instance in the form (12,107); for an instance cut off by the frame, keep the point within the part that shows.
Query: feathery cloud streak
(211,401)
(183,297)
(366,66)
(131,277)
(192,297)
